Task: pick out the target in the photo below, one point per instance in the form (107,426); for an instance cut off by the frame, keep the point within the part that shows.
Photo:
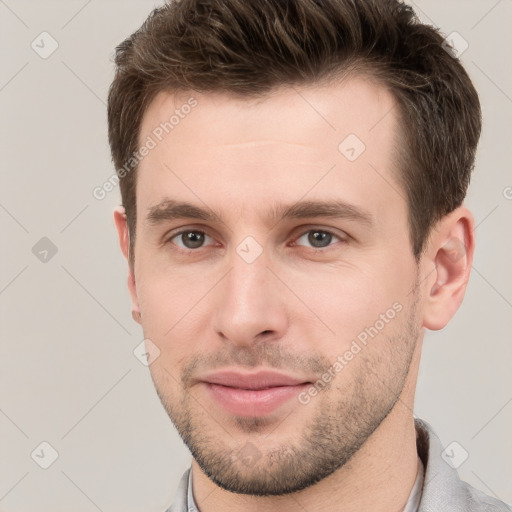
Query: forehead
(218,148)
(357,103)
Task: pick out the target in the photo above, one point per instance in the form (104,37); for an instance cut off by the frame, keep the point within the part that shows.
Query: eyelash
(316,249)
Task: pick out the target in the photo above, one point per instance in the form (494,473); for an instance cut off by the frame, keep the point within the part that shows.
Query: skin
(297,306)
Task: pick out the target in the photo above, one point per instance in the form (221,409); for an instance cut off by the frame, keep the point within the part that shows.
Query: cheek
(348,300)
(329,304)
(366,311)
(174,309)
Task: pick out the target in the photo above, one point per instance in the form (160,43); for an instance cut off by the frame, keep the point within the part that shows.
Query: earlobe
(450,252)
(124,242)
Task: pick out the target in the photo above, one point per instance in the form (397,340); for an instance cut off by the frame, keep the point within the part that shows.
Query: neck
(379,477)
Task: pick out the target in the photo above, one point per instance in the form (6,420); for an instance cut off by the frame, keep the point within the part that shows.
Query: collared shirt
(191,504)
(437,488)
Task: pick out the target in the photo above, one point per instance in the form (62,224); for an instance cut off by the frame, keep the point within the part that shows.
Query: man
(292,177)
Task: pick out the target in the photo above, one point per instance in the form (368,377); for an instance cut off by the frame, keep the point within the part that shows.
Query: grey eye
(191,239)
(317,238)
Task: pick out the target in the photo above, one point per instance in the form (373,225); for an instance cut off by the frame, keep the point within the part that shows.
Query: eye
(318,238)
(190,239)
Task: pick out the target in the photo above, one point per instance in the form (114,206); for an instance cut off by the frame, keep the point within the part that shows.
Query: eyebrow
(170,209)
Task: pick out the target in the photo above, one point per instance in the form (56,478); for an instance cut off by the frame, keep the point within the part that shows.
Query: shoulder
(479,501)
(443,490)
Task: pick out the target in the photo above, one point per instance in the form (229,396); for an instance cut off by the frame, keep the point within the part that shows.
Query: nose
(251,303)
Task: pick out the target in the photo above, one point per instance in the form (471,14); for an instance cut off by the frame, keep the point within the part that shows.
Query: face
(291,256)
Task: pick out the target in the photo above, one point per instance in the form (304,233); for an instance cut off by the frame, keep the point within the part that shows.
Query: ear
(124,242)
(450,252)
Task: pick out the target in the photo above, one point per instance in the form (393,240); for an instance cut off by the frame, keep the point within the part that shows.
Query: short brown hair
(248,48)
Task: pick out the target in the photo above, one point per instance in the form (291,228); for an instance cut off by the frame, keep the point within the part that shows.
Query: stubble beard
(345,415)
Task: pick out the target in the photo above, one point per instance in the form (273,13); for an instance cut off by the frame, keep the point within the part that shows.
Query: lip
(260,380)
(256,394)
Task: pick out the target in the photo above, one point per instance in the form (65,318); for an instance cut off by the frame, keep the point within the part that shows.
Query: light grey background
(68,375)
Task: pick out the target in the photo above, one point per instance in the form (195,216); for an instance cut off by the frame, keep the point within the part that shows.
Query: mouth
(252,395)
